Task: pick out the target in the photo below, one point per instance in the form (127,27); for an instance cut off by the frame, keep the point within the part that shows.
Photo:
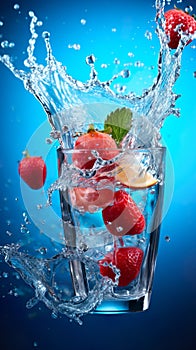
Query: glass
(111,214)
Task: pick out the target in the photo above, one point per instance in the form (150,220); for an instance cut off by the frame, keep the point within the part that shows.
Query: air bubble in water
(39,23)
(114,30)
(167,238)
(194,74)
(138,64)
(35,344)
(16,6)
(9,233)
(1,23)
(48,141)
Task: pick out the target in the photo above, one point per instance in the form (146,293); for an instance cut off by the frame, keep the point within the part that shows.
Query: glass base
(124,306)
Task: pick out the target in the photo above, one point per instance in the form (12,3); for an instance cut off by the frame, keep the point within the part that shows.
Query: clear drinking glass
(112,208)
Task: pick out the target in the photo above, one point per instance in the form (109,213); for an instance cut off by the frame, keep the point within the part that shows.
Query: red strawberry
(93,140)
(128,260)
(123,217)
(33,171)
(176,20)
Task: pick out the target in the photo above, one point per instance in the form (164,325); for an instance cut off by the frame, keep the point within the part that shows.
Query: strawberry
(176,20)
(93,140)
(33,171)
(123,217)
(127,259)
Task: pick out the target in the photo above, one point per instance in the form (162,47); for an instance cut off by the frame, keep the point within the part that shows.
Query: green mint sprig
(118,123)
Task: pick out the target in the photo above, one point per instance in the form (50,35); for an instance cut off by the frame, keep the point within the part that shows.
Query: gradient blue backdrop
(170,321)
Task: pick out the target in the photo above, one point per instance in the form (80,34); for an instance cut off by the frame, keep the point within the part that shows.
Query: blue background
(170,321)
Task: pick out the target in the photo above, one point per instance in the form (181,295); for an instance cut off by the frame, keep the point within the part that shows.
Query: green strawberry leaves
(118,123)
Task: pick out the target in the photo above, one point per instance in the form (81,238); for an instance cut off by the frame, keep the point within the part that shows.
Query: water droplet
(5,274)
(55,134)
(90,60)
(16,6)
(74,46)
(188,9)
(138,64)
(39,206)
(24,229)
(114,30)
(9,233)
(194,74)
(42,250)
(167,238)
(116,61)
(148,35)
(48,141)
(83,21)
(4,44)
(16,199)
(119,229)
(31,14)
(39,23)
(45,35)
(1,23)
(104,65)
(125,73)
(8,222)
(130,54)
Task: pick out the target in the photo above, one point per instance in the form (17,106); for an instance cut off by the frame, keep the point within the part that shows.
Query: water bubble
(8,222)
(16,6)
(167,238)
(16,199)
(1,23)
(5,274)
(35,344)
(130,54)
(148,35)
(83,21)
(90,60)
(39,206)
(114,30)
(194,74)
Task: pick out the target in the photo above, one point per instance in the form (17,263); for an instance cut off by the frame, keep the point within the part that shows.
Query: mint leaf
(119,123)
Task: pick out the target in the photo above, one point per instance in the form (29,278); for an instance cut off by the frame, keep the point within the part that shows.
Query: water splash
(58,92)
(45,277)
